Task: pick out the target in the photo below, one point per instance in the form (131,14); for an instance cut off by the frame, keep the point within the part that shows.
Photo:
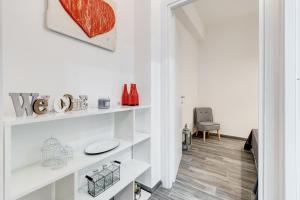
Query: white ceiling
(216,11)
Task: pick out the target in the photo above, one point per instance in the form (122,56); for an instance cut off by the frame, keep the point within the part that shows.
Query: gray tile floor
(213,171)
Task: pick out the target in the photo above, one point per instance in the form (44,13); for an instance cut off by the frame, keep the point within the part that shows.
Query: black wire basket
(104,179)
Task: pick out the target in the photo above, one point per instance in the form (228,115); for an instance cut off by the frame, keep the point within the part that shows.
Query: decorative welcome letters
(30,103)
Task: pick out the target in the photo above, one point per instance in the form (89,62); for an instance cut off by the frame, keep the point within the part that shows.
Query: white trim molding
(1,107)
(168,140)
(291,136)
(271,127)
(297,65)
(292,97)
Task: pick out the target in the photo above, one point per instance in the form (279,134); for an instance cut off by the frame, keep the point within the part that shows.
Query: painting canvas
(92,21)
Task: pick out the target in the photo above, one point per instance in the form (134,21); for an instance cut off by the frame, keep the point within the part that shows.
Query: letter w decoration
(23,102)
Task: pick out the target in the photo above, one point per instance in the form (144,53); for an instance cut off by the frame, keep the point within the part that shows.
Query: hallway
(213,171)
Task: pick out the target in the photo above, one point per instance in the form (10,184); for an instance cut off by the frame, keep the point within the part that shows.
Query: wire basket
(104,179)
(115,169)
(96,183)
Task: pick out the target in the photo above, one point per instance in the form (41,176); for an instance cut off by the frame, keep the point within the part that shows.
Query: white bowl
(102,146)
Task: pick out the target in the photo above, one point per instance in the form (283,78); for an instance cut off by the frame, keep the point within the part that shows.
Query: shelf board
(145,195)
(68,115)
(130,171)
(34,177)
(139,137)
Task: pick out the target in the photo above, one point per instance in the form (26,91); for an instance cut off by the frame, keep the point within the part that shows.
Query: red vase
(133,96)
(125,96)
(131,99)
(137,98)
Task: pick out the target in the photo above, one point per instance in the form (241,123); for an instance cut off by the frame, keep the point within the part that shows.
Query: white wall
(187,58)
(143,49)
(228,74)
(155,30)
(147,71)
(39,60)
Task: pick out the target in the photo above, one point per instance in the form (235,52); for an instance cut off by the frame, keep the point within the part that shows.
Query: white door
(177,100)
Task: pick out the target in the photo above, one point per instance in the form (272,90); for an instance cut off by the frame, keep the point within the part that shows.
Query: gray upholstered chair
(203,121)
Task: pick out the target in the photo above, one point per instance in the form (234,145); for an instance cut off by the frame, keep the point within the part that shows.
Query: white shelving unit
(26,179)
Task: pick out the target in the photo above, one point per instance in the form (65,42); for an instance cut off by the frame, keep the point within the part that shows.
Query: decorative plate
(102,146)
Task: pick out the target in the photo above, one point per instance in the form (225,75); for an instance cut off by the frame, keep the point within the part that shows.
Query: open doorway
(215,59)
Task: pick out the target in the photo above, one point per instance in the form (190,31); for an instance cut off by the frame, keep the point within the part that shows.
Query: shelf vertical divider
(123,125)
(142,150)
(65,188)
(2,160)
(53,191)
(7,161)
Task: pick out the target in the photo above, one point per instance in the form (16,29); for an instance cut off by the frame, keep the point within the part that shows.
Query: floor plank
(215,170)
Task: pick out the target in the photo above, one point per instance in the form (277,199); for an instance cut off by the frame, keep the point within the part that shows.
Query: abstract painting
(92,21)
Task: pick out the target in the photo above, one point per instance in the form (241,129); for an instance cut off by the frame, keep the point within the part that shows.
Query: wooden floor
(214,170)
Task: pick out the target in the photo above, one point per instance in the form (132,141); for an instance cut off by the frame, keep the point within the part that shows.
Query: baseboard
(149,189)
(229,136)
(234,137)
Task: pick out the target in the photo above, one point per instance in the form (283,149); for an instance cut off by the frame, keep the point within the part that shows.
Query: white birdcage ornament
(55,155)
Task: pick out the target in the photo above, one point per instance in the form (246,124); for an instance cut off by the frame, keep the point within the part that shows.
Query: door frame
(1,106)
(277,97)
(291,144)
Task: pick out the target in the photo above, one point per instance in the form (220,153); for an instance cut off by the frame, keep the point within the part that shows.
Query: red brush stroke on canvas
(94,17)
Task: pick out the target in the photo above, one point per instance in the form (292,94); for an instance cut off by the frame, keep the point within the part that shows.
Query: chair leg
(219,135)
(204,133)
(195,131)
